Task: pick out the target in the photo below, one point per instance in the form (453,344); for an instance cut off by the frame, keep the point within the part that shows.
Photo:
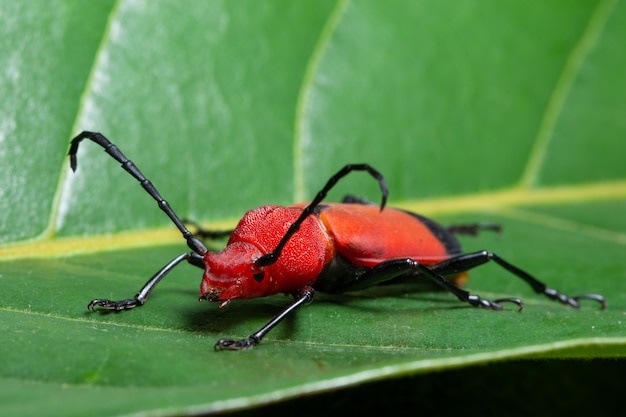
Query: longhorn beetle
(331,247)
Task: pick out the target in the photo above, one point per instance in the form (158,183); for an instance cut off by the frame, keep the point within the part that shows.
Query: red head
(231,273)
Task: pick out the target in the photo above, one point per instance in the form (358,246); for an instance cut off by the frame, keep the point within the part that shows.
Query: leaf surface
(509,114)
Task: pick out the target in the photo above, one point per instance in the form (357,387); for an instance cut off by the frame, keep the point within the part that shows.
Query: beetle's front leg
(304,296)
(142,296)
(207,233)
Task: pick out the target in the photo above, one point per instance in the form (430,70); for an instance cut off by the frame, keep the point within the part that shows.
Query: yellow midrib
(488,201)
(520,197)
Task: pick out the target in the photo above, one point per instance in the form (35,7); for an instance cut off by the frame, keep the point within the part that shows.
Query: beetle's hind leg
(468,261)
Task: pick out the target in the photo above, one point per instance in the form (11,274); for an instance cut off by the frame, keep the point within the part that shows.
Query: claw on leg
(114,305)
(231,344)
(595,297)
(574,301)
(477,301)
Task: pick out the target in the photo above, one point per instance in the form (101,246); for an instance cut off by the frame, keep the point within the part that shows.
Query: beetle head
(232,273)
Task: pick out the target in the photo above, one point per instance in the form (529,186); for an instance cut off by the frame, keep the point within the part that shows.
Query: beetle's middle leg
(395,268)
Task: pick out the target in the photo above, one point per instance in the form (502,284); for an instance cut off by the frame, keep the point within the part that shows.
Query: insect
(329,247)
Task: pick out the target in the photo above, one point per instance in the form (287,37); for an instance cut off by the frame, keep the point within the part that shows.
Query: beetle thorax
(231,273)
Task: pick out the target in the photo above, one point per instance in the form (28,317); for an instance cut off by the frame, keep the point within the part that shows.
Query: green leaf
(508,113)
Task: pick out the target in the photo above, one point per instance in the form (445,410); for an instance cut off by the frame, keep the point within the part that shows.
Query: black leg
(193,242)
(394,268)
(355,199)
(272,257)
(143,294)
(474,228)
(468,261)
(305,296)
(207,234)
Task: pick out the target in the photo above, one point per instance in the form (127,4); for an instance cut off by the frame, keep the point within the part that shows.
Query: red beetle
(331,247)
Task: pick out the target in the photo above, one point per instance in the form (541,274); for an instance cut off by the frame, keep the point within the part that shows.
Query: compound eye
(258,277)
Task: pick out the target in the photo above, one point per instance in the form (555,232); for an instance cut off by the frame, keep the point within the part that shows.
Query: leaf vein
(562,88)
